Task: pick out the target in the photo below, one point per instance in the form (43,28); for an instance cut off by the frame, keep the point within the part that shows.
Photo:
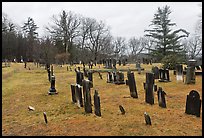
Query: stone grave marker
(155,70)
(78,95)
(149,95)
(132,85)
(122,110)
(179,72)
(147,119)
(52,89)
(193,103)
(109,77)
(119,78)
(190,75)
(97,107)
(73,91)
(164,75)
(90,76)
(87,95)
(161,98)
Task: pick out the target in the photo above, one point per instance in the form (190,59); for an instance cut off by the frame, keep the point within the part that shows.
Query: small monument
(52,89)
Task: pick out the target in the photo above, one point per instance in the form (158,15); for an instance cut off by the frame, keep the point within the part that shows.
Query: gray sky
(126,19)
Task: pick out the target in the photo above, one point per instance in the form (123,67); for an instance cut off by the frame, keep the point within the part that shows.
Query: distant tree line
(72,38)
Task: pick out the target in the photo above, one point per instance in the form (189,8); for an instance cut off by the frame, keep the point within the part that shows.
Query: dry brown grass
(23,87)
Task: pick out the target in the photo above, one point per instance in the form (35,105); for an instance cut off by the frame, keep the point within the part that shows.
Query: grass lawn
(22,87)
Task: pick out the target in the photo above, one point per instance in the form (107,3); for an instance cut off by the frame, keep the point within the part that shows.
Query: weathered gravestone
(147,119)
(149,95)
(161,98)
(52,89)
(193,103)
(109,77)
(79,77)
(164,75)
(119,78)
(45,117)
(122,110)
(155,70)
(179,72)
(49,74)
(90,76)
(132,84)
(78,95)
(190,75)
(87,95)
(97,107)
(73,91)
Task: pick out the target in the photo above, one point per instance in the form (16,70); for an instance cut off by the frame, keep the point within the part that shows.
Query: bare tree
(119,46)
(136,46)
(98,38)
(66,28)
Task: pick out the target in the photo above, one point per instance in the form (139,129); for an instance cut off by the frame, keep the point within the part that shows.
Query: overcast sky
(126,19)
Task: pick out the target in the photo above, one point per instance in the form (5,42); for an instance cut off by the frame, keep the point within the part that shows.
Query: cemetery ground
(22,87)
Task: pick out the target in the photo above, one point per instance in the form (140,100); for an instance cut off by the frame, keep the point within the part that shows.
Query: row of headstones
(115,77)
(193,102)
(161,74)
(111,63)
(190,74)
(85,98)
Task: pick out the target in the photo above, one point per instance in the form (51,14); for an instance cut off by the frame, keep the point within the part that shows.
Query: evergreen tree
(166,40)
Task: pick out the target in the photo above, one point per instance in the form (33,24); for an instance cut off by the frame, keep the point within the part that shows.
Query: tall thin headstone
(78,95)
(179,72)
(87,95)
(97,106)
(149,95)
(161,98)
(132,84)
(73,91)
(52,89)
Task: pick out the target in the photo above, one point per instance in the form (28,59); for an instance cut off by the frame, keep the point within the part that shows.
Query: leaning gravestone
(122,110)
(161,98)
(193,103)
(149,95)
(78,94)
(97,106)
(87,95)
(52,89)
(132,84)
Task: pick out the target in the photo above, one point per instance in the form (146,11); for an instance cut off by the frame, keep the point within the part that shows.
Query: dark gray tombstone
(73,91)
(161,98)
(193,103)
(45,117)
(164,75)
(49,74)
(87,95)
(109,77)
(190,75)
(79,77)
(147,119)
(114,77)
(52,71)
(122,110)
(119,78)
(97,107)
(149,95)
(78,95)
(132,85)
(90,76)
(155,70)
(52,89)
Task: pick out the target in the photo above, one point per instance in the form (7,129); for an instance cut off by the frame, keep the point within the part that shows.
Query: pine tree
(166,40)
